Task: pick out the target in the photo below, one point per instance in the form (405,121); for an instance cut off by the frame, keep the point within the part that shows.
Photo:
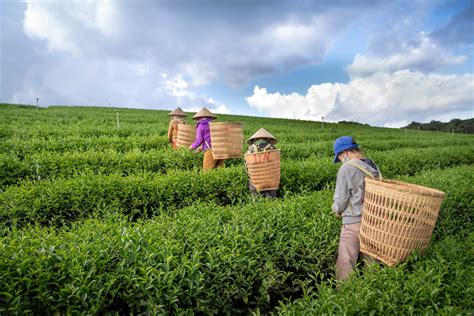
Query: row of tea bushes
(410,161)
(46,165)
(19,124)
(205,259)
(25,123)
(58,201)
(305,150)
(25,146)
(459,200)
(216,260)
(439,283)
(76,143)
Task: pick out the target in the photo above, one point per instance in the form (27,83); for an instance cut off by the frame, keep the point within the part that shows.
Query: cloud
(116,82)
(213,107)
(204,42)
(73,27)
(79,43)
(178,87)
(40,24)
(381,99)
(113,51)
(400,39)
(424,55)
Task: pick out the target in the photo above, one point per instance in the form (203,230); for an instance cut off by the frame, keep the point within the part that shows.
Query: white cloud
(201,73)
(382,99)
(176,86)
(424,54)
(205,47)
(132,44)
(218,107)
(211,105)
(74,28)
(159,53)
(293,40)
(41,23)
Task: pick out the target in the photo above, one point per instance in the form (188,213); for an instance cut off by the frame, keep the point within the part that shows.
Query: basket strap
(208,145)
(380,173)
(365,170)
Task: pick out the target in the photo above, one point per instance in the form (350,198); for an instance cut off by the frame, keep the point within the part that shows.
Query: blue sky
(385,63)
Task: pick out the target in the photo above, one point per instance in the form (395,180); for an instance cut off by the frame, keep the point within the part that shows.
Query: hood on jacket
(368,165)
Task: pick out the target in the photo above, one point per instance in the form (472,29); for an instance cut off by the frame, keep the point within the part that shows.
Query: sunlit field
(100,217)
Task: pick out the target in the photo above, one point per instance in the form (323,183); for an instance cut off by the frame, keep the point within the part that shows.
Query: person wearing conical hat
(203,140)
(261,141)
(177,117)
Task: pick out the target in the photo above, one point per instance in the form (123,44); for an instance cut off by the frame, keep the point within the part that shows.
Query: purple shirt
(203,134)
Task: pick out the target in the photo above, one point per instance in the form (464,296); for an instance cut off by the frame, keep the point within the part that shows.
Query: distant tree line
(353,123)
(453,126)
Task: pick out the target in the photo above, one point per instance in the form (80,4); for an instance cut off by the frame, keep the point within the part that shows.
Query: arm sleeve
(199,138)
(342,192)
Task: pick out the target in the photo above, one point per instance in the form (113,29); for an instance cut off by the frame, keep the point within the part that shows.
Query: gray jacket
(350,188)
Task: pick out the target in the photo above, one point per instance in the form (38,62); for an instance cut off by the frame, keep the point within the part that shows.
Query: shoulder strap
(365,170)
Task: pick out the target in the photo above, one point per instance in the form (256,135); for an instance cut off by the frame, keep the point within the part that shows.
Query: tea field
(96,219)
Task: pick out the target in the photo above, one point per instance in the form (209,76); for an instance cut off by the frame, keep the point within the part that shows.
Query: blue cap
(343,143)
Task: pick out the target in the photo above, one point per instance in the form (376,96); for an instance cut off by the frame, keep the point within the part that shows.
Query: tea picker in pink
(203,140)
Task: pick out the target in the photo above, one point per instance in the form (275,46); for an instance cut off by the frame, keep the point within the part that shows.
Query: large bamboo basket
(227,140)
(264,169)
(397,218)
(186,135)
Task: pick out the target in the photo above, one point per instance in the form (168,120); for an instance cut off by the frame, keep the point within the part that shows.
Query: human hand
(338,215)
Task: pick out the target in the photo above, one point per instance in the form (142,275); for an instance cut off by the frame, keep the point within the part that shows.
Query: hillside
(98,218)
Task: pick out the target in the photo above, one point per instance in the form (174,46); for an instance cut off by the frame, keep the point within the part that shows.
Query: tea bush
(438,284)
(97,219)
(144,194)
(212,259)
(205,259)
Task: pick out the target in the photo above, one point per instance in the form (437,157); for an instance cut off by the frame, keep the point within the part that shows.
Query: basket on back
(264,169)
(227,140)
(186,135)
(397,218)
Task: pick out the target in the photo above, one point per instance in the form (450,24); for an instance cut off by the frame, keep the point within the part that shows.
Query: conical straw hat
(262,133)
(177,112)
(203,113)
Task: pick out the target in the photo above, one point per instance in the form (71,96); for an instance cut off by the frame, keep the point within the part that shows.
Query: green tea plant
(97,219)
(211,259)
(438,284)
(143,194)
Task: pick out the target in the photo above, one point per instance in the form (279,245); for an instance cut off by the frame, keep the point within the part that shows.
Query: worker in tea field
(177,117)
(261,141)
(203,140)
(349,199)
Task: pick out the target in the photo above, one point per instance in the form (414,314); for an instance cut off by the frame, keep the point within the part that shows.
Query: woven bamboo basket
(227,140)
(397,219)
(186,135)
(264,169)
